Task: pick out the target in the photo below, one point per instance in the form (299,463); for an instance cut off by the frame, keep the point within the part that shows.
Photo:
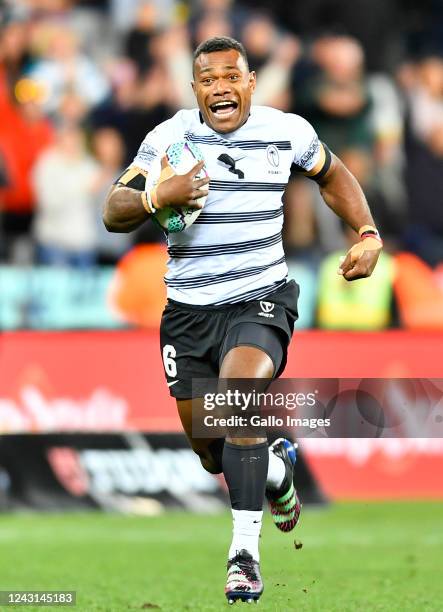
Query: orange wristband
(147,201)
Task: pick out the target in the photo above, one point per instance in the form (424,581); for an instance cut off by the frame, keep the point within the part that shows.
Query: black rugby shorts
(195,339)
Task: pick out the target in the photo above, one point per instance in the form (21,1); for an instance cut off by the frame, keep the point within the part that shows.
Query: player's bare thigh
(239,362)
(246,362)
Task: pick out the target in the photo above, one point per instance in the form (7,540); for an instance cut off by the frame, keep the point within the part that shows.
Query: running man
(226,268)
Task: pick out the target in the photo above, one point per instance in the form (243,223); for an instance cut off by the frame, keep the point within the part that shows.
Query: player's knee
(246,441)
(211,456)
(210,465)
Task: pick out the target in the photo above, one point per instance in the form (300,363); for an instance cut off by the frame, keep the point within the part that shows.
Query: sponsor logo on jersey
(147,153)
(311,152)
(266,310)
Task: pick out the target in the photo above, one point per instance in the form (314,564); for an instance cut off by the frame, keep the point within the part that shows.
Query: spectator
(387,119)
(108,149)
(227,13)
(210,25)
(378,25)
(136,106)
(138,39)
(273,56)
(64,70)
(425,96)
(123,13)
(335,97)
(174,53)
(423,83)
(116,109)
(259,37)
(300,230)
(65,225)
(14,53)
(24,134)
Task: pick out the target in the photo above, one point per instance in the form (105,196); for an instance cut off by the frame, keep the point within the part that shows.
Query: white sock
(246,532)
(276,472)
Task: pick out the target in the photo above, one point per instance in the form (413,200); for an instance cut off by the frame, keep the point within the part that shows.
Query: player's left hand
(361,259)
(179,189)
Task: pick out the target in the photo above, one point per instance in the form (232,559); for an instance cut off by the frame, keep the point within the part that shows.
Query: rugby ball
(182,156)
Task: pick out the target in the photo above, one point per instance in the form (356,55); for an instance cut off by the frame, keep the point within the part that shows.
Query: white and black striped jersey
(233,252)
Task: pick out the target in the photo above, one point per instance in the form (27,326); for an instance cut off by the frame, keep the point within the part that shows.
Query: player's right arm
(128,205)
(124,210)
(150,183)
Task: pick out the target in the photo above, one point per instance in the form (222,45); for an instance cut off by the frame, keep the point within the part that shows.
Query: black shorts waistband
(223,307)
(211,307)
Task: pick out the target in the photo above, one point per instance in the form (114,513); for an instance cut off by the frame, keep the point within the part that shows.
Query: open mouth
(223,108)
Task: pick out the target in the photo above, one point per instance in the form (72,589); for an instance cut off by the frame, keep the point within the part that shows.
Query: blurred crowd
(82,82)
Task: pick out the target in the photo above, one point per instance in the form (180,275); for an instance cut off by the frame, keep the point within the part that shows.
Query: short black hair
(221,43)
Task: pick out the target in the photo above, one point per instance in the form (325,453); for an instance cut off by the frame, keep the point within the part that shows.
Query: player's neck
(203,122)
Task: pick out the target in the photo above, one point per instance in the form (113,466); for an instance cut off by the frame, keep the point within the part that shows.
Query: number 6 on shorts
(168,360)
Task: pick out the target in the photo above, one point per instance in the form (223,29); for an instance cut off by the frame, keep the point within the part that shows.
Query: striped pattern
(286,510)
(247,145)
(233,252)
(184,251)
(207,218)
(241,185)
(257,294)
(244,580)
(237,580)
(203,280)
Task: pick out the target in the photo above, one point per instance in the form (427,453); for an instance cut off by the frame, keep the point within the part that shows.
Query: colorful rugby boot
(244,580)
(284,503)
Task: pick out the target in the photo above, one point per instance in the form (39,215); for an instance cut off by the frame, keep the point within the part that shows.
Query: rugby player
(228,269)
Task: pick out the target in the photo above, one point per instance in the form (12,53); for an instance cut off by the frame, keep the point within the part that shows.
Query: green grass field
(354,557)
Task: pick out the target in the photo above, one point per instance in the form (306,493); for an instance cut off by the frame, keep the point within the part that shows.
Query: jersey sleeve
(145,168)
(154,146)
(309,153)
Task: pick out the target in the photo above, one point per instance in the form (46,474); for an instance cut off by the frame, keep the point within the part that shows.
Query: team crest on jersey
(273,159)
(266,310)
(273,156)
